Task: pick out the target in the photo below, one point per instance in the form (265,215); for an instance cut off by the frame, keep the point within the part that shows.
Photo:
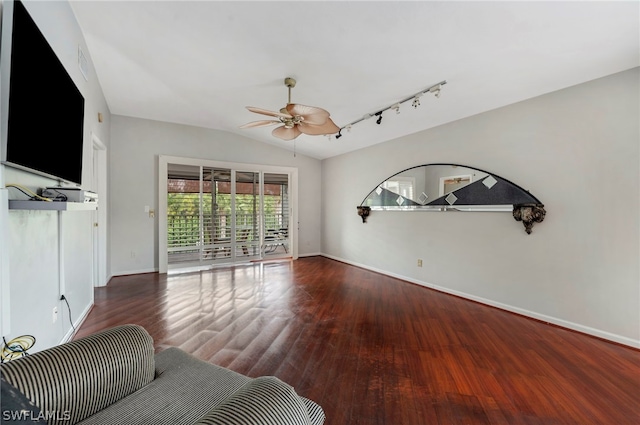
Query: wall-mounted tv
(45,124)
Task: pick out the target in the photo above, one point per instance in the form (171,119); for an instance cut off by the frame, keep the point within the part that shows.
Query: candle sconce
(529,214)
(363,212)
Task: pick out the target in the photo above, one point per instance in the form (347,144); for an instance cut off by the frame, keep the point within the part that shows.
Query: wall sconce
(529,214)
(364,211)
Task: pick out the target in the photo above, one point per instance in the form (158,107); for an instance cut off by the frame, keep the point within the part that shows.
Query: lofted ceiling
(201,63)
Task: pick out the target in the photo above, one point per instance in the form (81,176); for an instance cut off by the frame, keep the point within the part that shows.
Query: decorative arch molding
(452,187)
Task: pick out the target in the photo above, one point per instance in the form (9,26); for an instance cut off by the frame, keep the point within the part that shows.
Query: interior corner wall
(34,270)
(133,166)
(577,150)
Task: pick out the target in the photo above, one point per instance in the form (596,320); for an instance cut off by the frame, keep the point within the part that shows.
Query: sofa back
(72,381)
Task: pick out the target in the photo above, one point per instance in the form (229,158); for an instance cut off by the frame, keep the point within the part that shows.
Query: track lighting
(435,90)
(415,102)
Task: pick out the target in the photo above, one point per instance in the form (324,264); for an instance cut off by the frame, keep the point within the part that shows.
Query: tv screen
(46,109)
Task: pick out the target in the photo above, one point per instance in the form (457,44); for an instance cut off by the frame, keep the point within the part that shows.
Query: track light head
(396,108)
(339,135)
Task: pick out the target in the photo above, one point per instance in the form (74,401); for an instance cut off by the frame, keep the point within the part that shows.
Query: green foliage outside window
(183,214)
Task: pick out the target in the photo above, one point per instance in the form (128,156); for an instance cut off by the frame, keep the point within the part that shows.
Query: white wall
(135,146)
(32,262)
(577,150)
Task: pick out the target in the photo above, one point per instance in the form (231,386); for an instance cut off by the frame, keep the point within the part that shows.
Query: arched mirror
(452,187)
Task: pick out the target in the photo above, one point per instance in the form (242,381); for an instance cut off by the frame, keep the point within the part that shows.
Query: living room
(578,269)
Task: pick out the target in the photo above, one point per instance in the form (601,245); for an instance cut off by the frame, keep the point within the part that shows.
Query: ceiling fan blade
(267,112)
(329,127)
(285,133)
(262,123)
(311,114)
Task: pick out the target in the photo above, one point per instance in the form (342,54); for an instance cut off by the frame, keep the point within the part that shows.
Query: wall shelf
(52,206)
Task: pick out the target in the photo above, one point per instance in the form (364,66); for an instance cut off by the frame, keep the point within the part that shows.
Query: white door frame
(164,160)
(99,185)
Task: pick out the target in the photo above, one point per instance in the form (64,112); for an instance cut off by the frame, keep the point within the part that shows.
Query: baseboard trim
(311,254)
(619,339)
(130,272)
(77,324)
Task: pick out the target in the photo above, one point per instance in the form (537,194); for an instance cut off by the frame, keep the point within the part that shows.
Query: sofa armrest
(262,401)
(73,381)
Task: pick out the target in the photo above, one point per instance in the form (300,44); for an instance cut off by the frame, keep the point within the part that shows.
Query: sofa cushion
(16,408)
(79,378)
(185,389)
(262,401)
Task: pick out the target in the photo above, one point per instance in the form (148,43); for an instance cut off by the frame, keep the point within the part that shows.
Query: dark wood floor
(371,349)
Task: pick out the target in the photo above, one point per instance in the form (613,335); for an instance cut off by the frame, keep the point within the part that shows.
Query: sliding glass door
(217,215)
(276,215)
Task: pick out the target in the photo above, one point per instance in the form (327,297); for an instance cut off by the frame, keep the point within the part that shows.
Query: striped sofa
(114,377)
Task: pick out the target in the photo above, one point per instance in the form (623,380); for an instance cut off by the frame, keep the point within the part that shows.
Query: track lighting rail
(435,89)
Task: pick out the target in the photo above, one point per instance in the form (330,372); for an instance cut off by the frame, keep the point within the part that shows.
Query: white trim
(77,324)
(130,272)
(99,158)
(5,288)
(313,254)
(163,254)
(531,314)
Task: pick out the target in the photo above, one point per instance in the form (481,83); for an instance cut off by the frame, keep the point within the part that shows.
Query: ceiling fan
(296,119)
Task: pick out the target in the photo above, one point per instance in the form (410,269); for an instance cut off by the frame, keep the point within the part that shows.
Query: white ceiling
(200,63)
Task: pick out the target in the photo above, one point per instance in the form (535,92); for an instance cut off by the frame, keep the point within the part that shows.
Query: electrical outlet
(55,314)
(419,263)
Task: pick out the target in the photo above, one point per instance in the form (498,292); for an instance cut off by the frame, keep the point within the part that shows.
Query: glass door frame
(164,160)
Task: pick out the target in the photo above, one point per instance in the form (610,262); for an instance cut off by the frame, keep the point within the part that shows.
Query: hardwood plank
(371,349)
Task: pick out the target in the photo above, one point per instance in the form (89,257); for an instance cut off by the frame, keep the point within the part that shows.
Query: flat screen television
(45,124)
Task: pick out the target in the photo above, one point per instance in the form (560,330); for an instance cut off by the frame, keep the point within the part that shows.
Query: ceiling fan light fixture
(298,119)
